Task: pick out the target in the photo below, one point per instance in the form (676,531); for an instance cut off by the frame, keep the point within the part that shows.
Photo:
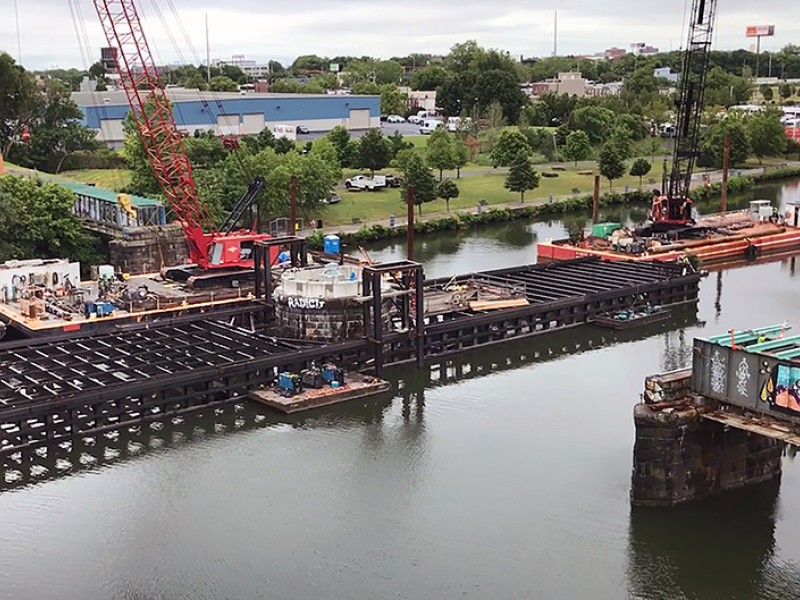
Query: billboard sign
(334,67)
(759,30)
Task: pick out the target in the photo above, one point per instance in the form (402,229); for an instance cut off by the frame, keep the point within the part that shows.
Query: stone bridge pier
(723,423)
(680,456)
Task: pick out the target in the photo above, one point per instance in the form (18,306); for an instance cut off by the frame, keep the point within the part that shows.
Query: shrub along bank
(583,202)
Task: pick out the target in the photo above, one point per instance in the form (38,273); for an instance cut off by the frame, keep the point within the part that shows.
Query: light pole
(555,147)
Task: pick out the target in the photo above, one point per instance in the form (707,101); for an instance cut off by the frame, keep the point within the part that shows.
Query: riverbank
(538,208)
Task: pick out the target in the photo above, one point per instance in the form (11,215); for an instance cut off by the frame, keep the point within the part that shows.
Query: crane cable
(196,59)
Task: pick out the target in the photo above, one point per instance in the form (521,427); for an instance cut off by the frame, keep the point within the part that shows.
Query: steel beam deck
(53,389)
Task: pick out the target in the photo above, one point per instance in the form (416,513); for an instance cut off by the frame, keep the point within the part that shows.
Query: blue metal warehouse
(234,113)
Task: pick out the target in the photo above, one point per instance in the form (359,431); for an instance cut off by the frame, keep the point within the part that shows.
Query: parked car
(302,129)
(429,126)
(395,119)
(415,119)
(333,199)
(364,182)
(383,117)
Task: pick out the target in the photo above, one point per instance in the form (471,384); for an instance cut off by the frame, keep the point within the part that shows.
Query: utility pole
(208,54)
(19,39)
(555,33)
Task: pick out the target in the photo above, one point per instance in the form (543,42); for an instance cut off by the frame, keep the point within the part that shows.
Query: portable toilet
(793,214)
(760,210)
(331,244)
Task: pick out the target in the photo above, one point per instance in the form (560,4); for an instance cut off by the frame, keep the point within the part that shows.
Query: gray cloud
(283,30)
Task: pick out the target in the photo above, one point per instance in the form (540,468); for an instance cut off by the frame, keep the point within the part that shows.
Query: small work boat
(628,318)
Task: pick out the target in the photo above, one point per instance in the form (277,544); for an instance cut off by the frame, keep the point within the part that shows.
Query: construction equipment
(331,373)
(673,208)
(219,254)
(312,378)
(289,384)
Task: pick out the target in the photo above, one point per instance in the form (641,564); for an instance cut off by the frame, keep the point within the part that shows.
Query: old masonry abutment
(679,456)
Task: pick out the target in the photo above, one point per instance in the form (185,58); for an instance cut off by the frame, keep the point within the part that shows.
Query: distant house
(665,73)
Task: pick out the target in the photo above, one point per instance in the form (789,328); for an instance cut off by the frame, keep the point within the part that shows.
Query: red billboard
(759,30)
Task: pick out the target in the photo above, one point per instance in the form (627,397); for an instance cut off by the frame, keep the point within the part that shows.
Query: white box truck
(285,131)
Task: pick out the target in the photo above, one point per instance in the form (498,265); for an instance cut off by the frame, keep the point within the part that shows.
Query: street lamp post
(555,147)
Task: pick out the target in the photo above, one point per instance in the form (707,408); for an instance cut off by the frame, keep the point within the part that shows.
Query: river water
(511,482)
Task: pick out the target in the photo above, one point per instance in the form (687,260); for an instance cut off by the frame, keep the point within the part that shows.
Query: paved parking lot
(386,128)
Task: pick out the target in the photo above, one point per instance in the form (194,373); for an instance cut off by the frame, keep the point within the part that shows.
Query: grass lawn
(371,206)
(110,179)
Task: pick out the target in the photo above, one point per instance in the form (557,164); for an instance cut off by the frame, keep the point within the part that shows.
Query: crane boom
(691,90)
(155,124)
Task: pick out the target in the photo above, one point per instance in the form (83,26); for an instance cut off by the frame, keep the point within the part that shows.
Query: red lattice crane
(209,247)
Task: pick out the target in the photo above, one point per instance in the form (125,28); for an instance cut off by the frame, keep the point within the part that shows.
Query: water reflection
(668,554)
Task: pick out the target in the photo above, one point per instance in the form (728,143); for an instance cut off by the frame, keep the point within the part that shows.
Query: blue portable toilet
(331,244)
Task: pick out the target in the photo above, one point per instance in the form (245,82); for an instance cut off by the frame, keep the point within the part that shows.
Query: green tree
(205,151)
(440,154)
(462,154)
(222,84)
(612,166)
(310,62)
(635,124)
(418,175)
(726,89)
(55,131)
(340,138)
(398,143)
(447,190)
(19,101)
(429,78)
(510,145)
(622,140)
(388,71)
(323,149)
(596,121)
(194,81)
(766,92)
(784,91)
(36,221)
(767,135)
(374,152)
(640,168)
(393,101)
(577,146)
(541,141)
(521,176)
(284,145)
(713,139)
(500,86)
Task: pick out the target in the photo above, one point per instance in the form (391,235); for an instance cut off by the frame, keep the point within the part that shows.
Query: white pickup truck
(363,182)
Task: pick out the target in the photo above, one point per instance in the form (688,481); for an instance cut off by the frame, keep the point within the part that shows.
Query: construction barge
(44,298)
(714,240)
(53,389)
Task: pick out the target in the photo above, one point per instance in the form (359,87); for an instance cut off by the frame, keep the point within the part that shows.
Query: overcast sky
(282,30)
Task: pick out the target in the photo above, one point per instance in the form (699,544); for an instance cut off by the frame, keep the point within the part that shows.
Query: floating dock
(356,386)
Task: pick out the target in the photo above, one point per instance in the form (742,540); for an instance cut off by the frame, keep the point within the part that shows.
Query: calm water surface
(509,483)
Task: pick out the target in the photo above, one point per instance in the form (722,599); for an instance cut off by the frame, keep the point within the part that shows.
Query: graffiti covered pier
(723,423)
